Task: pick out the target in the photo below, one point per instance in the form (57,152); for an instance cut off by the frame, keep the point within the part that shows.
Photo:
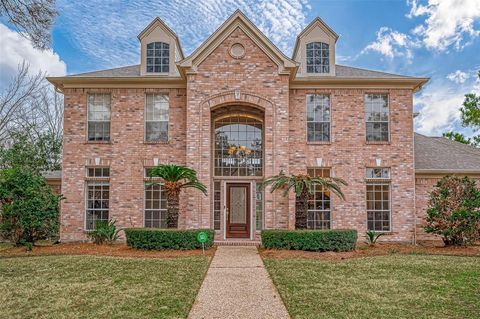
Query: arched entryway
(238,169)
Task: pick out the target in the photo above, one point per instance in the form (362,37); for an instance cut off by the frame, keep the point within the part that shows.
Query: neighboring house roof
(441,155)
(52,174)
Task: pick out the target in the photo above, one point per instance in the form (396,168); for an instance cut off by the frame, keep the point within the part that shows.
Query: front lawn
(99,287)
(394,286)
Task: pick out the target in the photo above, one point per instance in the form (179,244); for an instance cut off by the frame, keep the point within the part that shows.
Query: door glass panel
(238,205)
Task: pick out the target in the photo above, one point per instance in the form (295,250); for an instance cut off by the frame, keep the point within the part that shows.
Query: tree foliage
(35,154)
(454,211)
(28,207)
(459,137)
(175,178)
(32,18)
(304,186)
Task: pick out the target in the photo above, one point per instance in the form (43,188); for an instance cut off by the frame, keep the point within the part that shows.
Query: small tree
(454,211)
(28,207)
(175,178)
(304,187)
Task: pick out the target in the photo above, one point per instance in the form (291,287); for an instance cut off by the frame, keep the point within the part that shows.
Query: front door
(238,210)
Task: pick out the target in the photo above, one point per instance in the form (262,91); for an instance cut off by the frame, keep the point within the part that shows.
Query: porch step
(236,243)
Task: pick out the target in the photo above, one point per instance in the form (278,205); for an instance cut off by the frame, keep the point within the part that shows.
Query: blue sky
(435,38)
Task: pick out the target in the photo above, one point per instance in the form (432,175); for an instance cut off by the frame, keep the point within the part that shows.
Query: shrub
(371,237)
(105,231)
(159,239)
(454,211)
(28,207)
(313,240)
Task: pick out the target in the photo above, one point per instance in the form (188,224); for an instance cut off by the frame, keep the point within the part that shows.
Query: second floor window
(376,116)
(318,57)
(158,57)
(318,118)
(99,107)
(156,118)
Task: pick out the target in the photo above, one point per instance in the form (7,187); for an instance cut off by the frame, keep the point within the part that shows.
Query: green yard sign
(202,238)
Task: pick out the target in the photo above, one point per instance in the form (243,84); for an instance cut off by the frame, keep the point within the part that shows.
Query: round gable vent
(237,51)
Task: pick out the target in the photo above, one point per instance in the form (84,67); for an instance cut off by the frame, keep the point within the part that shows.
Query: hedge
(311,240)
(160,239)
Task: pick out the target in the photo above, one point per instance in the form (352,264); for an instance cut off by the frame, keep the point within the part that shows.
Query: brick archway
(237,97)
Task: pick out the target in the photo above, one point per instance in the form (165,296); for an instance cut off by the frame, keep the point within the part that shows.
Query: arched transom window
(238,145)
(318,55)
(158,57)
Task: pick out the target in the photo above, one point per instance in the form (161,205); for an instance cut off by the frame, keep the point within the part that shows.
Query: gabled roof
(316,22)
(157,22)
(443,156)
(238,20)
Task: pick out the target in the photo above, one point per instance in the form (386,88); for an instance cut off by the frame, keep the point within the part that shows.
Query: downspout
(414,115)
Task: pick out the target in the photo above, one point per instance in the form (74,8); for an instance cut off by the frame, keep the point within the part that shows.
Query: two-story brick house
(238,110)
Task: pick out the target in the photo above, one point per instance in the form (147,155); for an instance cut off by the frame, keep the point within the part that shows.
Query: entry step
(236,243)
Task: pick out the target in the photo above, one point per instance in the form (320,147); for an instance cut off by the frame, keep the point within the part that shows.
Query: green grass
(392,286)
(99,287)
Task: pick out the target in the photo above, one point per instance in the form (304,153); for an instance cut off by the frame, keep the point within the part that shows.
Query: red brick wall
(126,155)
(348,155)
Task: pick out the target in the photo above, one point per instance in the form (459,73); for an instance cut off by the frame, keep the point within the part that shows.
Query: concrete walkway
(237,285)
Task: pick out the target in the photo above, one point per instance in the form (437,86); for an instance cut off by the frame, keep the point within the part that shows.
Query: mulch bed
(116,250)
(380,249)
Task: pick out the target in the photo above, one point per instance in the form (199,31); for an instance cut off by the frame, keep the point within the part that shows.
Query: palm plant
(175,178)
(304,187)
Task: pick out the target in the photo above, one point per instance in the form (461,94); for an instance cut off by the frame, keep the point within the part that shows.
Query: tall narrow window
(156,118)
(97,199)
(99,107)
(318,118)
(158,57)
(318,56)
(259,206)
(376,115)
(217,205)
(319,204)
(155,202)
(378,199)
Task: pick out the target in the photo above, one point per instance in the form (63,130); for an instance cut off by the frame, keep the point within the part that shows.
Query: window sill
(98,142)
(319,143)
(156,142)
(377,142)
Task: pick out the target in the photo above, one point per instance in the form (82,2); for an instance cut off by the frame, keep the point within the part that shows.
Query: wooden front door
(238,210)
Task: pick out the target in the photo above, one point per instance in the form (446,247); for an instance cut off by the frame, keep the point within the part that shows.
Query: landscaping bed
(380,249)
(389,286)
(116,250)
(99,287)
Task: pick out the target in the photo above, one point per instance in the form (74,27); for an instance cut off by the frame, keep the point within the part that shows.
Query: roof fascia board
(447,171)
(61,83)
(335,82)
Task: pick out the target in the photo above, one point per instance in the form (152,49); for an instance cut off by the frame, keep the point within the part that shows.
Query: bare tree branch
(32,18)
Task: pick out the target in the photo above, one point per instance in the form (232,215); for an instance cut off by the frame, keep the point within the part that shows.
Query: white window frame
(101,121)
(322,112)
(146,120)
(377,121)
(383,179)
(322,58)
(330,200)
(96,181)
(161,57)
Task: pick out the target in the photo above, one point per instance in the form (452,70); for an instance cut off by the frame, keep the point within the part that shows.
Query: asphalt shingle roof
(439,153)
(342,71)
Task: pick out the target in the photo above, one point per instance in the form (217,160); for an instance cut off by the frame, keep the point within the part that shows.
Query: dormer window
(158,57)
(318,57)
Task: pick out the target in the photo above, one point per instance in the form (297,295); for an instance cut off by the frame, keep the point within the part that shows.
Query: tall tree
(23,89)
(304,186)
(32,18)
(470,116)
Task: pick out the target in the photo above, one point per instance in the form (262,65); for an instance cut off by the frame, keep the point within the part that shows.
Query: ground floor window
(155,206)
(378,206)
(97,202)
(216,205)
(259,207)
(319,204)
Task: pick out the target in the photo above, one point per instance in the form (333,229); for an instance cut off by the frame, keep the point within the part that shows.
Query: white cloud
(448,23)
(439,107)
(15,48)
(458,77)
(108,33)
(392,44)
